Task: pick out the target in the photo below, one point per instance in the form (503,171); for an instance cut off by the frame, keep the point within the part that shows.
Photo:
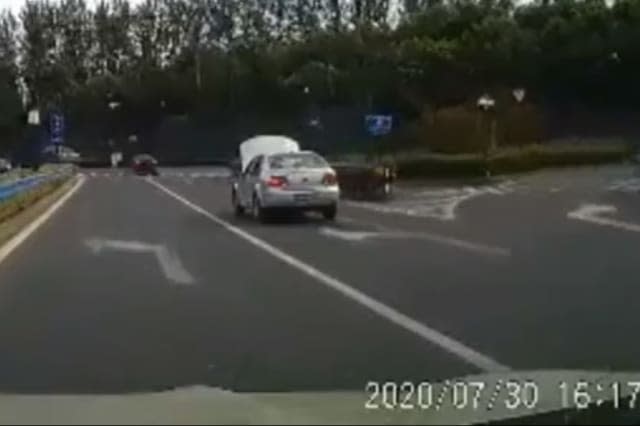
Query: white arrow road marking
(169,262)
(419,329)
(593,213)
(440,239)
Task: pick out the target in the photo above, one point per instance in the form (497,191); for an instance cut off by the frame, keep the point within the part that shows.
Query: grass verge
(20,211)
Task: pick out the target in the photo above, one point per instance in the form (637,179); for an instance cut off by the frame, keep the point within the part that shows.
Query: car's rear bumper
(276,198)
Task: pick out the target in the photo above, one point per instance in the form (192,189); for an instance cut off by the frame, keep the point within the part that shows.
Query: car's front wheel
(330,213)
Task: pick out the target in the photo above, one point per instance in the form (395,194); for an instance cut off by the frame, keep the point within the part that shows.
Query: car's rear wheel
(330,213)
(259,213)
(238,210)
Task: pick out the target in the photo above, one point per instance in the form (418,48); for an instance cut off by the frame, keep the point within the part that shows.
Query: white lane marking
(169,262)
(349,235)
(440,204)
(26,232)
(427,236)
(445,342)
(625,185)
(593,213)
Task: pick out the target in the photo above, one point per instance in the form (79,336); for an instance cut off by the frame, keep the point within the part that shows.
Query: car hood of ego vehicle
(490,398)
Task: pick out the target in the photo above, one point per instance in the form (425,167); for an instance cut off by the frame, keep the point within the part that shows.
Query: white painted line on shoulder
(592,213)
(421,330)
(11,245)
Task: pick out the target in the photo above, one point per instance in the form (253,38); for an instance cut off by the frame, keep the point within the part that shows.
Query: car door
(247,181)
(253,177)
(242,183)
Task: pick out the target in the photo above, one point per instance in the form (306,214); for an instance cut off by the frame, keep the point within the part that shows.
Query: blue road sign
(56,129)
(378,125)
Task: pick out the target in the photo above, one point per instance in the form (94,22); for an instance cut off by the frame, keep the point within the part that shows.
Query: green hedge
(513,160)
(440,165)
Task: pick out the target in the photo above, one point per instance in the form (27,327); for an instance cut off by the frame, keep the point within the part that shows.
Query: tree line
(133,64)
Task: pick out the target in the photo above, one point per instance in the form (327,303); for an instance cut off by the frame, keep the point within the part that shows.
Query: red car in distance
(144,165)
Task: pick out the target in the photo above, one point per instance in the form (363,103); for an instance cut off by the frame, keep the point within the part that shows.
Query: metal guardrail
(21,186)
(15,188)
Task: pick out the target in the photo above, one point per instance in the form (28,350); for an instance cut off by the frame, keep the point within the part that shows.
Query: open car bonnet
(266,145)
(203,405)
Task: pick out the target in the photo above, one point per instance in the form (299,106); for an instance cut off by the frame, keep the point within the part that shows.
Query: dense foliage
(176,67)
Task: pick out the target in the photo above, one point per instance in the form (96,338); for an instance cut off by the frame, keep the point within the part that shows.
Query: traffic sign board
(56,129)
(378,125)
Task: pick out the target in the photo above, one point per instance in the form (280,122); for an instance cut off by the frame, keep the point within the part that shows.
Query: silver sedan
(300,181)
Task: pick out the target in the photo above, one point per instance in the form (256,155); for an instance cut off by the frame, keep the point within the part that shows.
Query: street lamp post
(487,105)
(116,155)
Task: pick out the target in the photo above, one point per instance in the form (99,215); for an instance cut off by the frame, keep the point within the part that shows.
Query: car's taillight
(330,179)
(276,182)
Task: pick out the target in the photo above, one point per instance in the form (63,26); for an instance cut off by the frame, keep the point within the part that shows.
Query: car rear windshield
(297,161)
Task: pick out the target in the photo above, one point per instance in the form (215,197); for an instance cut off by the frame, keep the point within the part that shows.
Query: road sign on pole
(34,117)
(378,125)
(56,129)
(519,94)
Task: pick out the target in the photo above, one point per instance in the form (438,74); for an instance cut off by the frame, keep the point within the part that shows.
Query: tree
(74,23)
(39,45)
(253,58)
(370,13)
(10,103)
(113,48)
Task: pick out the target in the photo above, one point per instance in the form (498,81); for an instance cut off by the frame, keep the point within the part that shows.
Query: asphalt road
(141,285)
